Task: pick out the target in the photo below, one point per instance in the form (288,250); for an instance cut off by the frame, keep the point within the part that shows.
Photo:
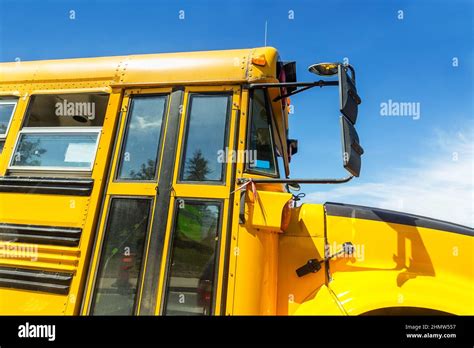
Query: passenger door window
(121,257)
(140,148)
(206,134)
(192,262)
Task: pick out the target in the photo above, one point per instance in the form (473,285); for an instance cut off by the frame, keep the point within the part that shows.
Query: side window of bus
(139,154)
(190,281)
(260,144)
(206,137)
(60,133)
(7,110)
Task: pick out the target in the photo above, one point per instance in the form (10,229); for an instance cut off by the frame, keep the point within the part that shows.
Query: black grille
(26,279)
(63,236)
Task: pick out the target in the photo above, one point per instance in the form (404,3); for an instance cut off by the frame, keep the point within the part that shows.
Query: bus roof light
(260,60)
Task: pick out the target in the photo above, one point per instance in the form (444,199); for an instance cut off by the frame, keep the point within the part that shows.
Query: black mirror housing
(351,149)
(292,146)
(348,97)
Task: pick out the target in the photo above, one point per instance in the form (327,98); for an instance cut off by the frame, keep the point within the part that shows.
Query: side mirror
(292,146)
(348,97)
(351,150)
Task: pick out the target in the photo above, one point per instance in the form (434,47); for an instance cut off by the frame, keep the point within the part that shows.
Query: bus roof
(205,67)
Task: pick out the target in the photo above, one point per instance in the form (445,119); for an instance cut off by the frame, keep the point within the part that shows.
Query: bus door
(116,274)
(192,279)
(164,215)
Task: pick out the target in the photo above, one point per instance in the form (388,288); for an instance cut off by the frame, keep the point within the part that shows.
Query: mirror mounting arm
(296,181)
(305,86)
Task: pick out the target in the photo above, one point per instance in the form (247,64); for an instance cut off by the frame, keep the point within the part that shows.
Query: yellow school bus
(160,185)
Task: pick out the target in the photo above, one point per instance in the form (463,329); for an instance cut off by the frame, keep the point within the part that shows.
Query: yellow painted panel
(38,209)
(255,283)
(307,221)
(265,210)
(24,302)
(398,265)
(360,292)
(301,241)
(323,303)
(294,252)
(166,68)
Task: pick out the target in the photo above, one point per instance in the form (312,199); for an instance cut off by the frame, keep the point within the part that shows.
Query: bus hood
(393,217)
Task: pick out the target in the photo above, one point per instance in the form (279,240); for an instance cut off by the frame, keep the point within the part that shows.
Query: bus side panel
(46,239)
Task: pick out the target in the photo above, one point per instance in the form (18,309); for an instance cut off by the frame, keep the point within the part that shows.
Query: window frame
(169,252)
(268,107)
(55,130)
(182,162)
(8,101)
(125,133)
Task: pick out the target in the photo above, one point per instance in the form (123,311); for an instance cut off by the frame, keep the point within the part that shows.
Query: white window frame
(56,130)
(3,137)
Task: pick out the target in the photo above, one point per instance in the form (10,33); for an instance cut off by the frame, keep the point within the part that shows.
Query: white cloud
(144,123)
(441,185)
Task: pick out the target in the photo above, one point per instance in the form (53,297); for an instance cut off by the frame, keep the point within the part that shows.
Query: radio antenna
(265,33)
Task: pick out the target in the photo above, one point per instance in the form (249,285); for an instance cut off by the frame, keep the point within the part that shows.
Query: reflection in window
(140,151)
(56,150)
(192,262)
(121,259)
(205,138)
(260,138)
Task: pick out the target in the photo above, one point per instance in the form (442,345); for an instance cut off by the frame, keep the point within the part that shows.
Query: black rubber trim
(376,214)
(159,224)
(63,236)
(230,222)
(26,279)
(40,185)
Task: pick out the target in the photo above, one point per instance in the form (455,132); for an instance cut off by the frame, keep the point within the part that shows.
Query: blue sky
(408,164)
